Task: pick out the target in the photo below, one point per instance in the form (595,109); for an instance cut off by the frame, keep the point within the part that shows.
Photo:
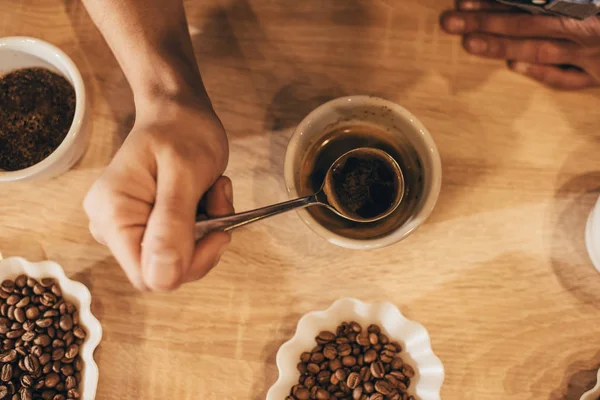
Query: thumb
(168,244)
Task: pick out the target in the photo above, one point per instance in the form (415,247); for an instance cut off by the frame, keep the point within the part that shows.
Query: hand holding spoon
(363,185)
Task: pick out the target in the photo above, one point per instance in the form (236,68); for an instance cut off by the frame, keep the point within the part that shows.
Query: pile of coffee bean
(353,364)
(40,339)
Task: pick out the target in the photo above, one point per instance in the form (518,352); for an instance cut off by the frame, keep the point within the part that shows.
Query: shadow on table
(122,319)
(97,61)
(579,378)
(574,201)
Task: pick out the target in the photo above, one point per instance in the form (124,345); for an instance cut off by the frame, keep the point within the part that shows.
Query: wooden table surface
(499,274)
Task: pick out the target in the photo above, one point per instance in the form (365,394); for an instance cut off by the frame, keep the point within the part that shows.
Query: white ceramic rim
(403,231)
(29,45)
(594,393)
(592,238)
(77,290)
(431,371)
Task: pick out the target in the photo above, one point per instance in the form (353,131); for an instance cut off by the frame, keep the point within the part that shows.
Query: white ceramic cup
(401,124)
(25,52)
(592,236)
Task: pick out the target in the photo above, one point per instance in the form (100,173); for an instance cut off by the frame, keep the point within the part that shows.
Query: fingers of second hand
(505,24)
(483,5)
(536,51)
(554,76)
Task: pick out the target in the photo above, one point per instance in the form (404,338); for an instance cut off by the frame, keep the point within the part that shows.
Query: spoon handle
(234,221)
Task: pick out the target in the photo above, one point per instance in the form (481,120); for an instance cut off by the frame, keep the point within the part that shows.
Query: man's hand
(144,205)
(560,52)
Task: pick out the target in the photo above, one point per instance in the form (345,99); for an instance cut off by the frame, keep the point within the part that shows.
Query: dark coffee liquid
(342,139)
(365,186)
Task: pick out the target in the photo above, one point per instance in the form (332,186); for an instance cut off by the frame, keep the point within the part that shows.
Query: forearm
(151,42)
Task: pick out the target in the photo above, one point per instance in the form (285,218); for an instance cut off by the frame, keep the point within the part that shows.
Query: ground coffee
(37,108)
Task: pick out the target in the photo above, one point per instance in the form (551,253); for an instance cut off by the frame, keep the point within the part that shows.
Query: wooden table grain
(499,274)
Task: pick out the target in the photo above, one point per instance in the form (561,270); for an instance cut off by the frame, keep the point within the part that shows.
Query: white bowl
(25,52)
(401,124)
(593,394)
(78,294)
(592,236)
(412,336)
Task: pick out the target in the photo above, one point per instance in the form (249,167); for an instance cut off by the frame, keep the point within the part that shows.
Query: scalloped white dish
(593,394)
(412,336)
(78,294)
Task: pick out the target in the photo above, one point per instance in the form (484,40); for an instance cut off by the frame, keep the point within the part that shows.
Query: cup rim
(401,232)
(29,45)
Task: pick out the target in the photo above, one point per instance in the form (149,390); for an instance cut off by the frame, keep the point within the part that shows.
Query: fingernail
(455,24)
(164,270)
(519,67)
(477,45)
(468,5)
(228,190)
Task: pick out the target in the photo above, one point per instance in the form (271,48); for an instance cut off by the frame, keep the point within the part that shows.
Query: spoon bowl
(363,185)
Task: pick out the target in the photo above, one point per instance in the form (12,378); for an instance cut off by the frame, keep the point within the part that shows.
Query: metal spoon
(327,196)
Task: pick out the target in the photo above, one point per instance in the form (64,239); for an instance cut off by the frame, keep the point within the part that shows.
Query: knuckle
(548,53)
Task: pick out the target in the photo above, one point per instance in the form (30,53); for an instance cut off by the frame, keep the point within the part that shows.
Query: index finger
(517,25)
(125,244)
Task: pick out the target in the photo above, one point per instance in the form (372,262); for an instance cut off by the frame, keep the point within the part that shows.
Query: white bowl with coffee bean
(363,351)
(47,334)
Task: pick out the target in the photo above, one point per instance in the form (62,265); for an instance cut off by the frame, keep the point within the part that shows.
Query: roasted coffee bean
(329,351)
(387,356)
(8,357)
(50,314)
(38,289)
(25,394)
(15,334)
(58,353)
(3,392)
(45,358)
(397,363)
(46,369)
(32,312)
(317,358)
(370,356)
(21,281)
(344,350)
(6,373)
(335,364)
(53,379)
(322,394)
(349,364)
(313,368)
(42,340)
(44,322)
(66,322)
(349,361)
(353,380)
(19,315)
(408,371)
(301,393)
(78,364)
(28,336)
(70,382)
(323,377)
(373,338)
(374,329)
(26,380)
(79,332)
(383,387)
(323,338)
(32,364)
(377,369)
(59,397)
